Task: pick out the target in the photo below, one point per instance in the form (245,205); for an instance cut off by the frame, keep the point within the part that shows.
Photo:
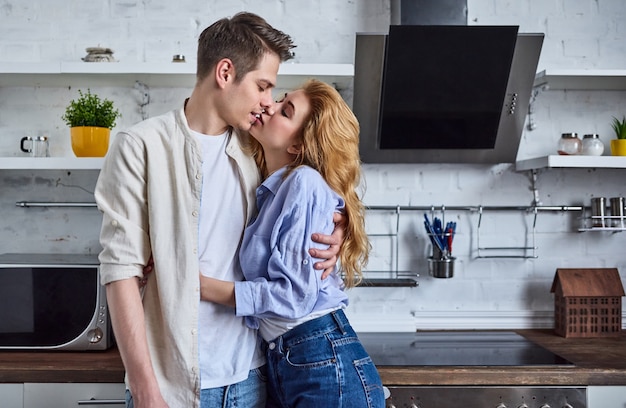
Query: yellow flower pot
(618,147)
(89,141)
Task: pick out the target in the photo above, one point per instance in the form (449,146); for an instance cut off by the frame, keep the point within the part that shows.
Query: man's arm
(128,323)
(334,242)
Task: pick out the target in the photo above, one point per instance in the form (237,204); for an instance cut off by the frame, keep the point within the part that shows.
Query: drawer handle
(94,401)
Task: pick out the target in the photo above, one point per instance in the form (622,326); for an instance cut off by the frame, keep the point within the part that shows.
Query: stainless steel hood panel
(369,66)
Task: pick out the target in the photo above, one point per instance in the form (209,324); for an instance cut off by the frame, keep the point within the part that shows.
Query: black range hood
(443,93)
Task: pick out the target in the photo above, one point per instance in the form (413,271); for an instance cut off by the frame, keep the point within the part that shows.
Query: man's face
(247,98)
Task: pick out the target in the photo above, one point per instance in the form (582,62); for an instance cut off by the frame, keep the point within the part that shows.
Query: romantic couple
(248,191)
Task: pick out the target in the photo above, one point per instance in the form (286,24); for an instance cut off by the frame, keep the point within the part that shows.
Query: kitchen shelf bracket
(533,181)
(144,94)
(532,125)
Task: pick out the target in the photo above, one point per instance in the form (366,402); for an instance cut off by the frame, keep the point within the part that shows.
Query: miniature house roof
(595,282)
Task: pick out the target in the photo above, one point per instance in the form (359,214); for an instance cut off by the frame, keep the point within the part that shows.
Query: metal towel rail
(512,251)
(28,204)
(520,249)
(399,278)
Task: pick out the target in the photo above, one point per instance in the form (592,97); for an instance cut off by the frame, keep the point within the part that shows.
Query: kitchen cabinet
(64,395)
(606,397)
(11,395)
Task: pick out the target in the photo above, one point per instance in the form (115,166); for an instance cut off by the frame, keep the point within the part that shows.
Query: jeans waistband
(323,324)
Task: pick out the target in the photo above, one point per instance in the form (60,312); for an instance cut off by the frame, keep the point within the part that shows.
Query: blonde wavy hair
(330,145)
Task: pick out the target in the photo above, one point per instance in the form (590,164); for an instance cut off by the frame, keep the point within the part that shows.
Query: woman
(308,153)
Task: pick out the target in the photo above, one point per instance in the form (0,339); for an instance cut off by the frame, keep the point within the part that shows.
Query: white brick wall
(580,34)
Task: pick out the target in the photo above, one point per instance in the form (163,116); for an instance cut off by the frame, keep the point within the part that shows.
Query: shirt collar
(274,180)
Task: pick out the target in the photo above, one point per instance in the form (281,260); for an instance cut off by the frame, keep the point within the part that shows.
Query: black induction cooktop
(457,348)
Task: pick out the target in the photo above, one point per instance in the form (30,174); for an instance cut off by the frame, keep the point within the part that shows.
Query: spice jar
(569,143)
(592,145)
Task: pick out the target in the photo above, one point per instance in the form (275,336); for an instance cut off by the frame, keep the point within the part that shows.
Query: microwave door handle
(95,401)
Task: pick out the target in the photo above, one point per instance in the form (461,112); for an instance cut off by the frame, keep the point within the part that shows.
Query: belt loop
(338,321)
(279,344)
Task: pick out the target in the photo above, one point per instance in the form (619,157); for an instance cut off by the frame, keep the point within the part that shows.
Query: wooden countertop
(61,366)
(598,361)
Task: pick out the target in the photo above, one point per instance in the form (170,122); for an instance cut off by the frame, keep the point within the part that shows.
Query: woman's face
(279,133)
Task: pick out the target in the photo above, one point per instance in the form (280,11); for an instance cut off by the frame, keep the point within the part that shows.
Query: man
(179,188)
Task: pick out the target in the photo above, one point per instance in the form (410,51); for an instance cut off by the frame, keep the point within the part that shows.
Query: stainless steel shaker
(598,212)
(617,212)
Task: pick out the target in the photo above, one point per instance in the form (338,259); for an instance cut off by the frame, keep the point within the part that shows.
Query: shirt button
(260,192)
(195,213)
(272,346)
(306,262)
(194,331)
(114,223)
(198,176)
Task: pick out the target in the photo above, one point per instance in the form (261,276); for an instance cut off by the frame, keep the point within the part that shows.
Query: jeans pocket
(261,372)
(371,381)
(311,353)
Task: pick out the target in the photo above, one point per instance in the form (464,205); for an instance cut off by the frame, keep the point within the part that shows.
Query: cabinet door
(606,396)
(12,395)
(56,395)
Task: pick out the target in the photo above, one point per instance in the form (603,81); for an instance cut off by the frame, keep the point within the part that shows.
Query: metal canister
(617,211)
(598,212)
(569,144)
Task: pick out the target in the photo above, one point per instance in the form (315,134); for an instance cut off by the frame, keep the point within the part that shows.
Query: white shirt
(222,220)
(149,193)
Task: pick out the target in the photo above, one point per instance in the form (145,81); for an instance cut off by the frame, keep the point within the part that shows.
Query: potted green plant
(90,119)
(618,145)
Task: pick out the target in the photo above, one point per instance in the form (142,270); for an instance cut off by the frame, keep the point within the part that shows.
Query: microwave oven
(52,302)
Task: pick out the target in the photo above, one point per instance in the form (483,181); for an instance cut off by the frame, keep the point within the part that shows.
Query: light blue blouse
(280,279)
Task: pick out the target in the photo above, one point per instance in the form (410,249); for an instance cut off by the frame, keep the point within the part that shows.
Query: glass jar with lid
(569,143)
(592,145)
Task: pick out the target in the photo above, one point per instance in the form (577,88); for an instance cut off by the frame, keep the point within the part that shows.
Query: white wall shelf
(609,162)
(124,74)
(577,79)
(51,163)
(94,163)
(582,79)
(82,74)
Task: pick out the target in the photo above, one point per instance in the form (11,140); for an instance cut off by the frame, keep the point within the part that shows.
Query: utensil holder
(441,267)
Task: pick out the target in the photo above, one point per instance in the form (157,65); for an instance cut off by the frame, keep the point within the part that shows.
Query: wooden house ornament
(587,302)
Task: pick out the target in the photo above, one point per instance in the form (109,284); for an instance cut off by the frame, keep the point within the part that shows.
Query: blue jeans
(247,393)
(321,363)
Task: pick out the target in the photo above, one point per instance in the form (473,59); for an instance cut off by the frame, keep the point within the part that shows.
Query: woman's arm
(217,291)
